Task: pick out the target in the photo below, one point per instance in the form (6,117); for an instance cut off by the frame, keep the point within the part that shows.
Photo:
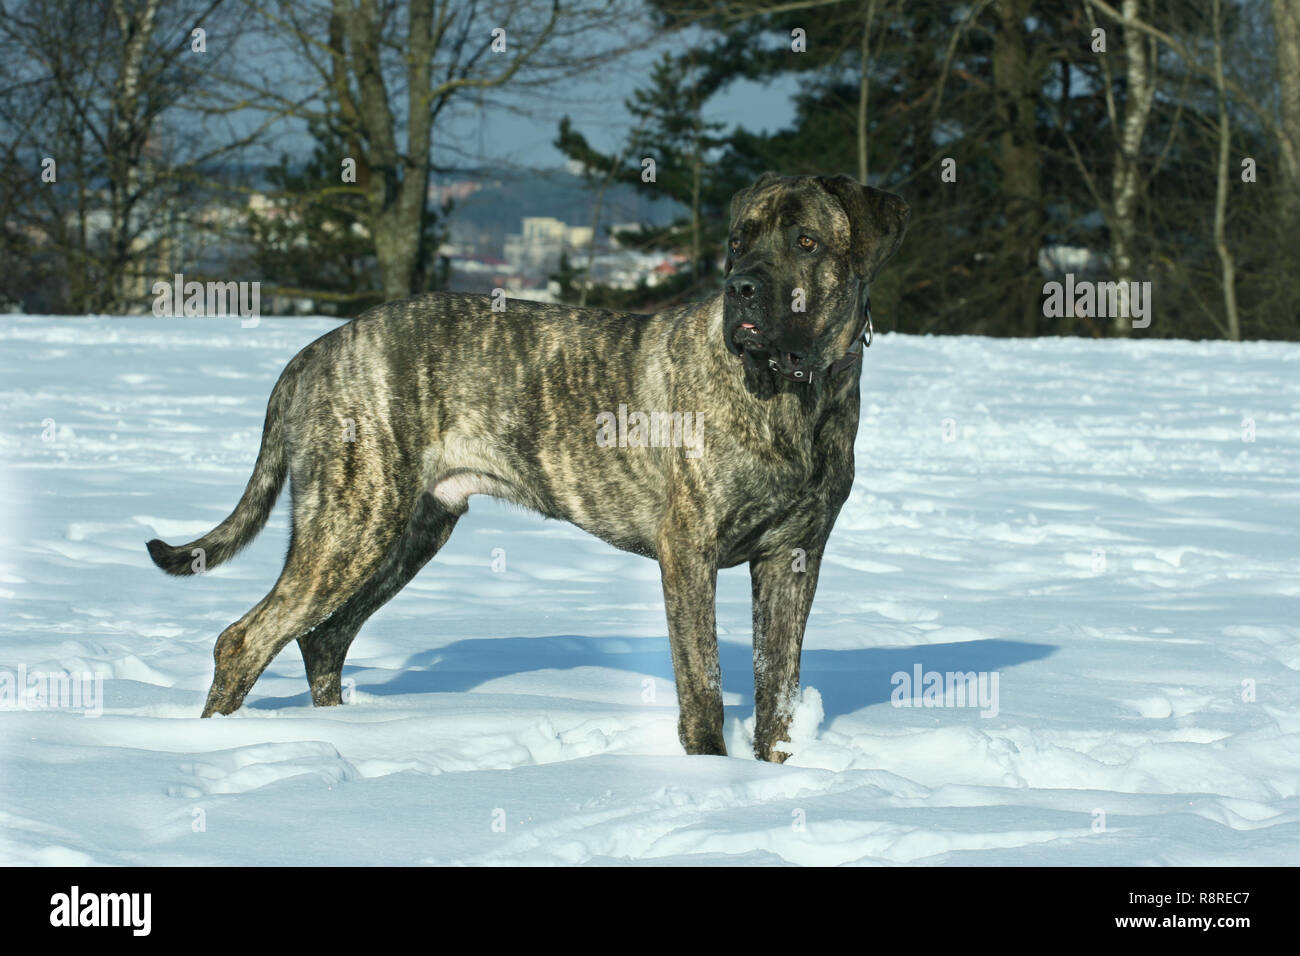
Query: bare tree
(386,71)
(98,100)
(1281,126)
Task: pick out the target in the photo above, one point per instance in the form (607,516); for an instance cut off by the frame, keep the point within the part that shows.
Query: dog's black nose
(743,286)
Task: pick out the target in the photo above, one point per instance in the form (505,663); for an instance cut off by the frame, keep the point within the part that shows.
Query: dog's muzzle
(743,332)
(743,310)
(745,335)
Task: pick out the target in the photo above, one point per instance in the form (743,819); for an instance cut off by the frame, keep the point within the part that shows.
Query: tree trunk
(1228,266)
(697,162)
(864,90)
(396,248)
(397,180)
(127,134)
(1286,29)
(1126,178)
(1016,91)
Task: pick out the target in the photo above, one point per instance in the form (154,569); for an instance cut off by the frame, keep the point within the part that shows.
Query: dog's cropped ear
(738,201)
(878,220)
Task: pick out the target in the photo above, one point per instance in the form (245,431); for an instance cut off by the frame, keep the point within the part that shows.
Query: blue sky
(519,125)
(598,111)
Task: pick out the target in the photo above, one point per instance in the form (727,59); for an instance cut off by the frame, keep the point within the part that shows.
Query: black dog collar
(862,339)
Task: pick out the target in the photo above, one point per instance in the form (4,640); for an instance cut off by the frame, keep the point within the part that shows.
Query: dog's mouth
(745,335)
(748,339)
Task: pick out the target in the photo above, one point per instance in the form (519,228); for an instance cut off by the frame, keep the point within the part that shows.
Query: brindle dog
(386,426)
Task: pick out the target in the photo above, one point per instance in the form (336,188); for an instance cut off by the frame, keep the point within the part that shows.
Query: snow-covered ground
(1109,529)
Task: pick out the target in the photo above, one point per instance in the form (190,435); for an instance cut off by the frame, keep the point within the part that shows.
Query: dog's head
(799,255)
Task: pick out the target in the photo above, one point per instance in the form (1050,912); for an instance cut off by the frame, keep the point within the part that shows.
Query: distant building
(1058,260)
(457,191)
(625,227)
(625,269)
(537,248)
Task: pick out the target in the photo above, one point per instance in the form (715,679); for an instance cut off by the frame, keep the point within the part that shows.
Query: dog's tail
(226,540)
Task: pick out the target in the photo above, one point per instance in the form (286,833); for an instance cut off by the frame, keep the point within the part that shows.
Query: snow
(1109,528)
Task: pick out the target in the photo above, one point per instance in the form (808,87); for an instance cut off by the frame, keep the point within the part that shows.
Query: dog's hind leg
(326,646)
(335,548)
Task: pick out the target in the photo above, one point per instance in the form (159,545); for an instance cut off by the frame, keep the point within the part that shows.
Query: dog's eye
(807,243)
(735,245)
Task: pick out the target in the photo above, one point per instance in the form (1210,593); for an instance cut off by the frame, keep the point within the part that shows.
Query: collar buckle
(863,341)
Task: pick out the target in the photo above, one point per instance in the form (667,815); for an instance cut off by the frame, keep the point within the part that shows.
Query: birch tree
(105,81)
(1286,30)
(1130,123)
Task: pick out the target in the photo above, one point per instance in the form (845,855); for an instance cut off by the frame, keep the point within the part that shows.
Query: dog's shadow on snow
(848,680)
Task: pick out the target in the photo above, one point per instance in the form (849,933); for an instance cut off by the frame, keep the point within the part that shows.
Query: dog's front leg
(690,577)
(783,585)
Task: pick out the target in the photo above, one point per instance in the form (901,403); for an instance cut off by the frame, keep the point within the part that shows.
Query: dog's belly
(453,491)
(625,532)
(623,510)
